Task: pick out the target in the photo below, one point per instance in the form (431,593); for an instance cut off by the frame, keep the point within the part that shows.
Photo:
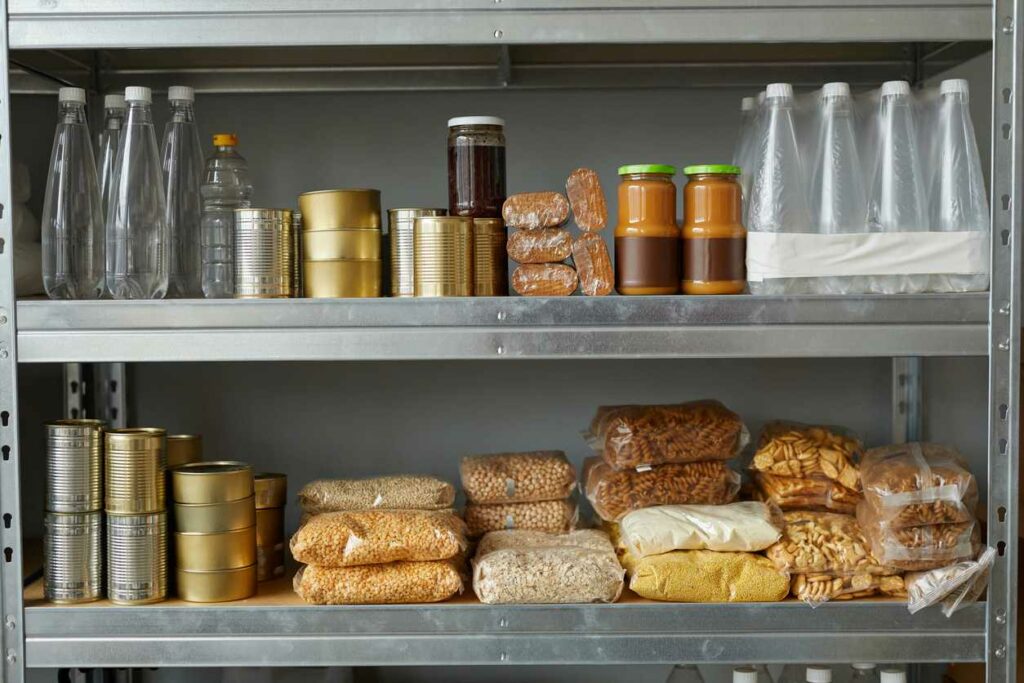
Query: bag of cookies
(547,245)
(795,493)
(644,435)
(788,449)
(544,279)
(517,477)
(916,548)
(824,543)
(815,589)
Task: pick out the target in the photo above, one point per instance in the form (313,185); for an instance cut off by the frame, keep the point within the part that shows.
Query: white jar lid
(954,85)
(779,90)
(895,88)
(113,101)
(744,674)
(818,674)
(894,676)
(837,89)
(138,93)
(476,121)
(71,95)
(181,92)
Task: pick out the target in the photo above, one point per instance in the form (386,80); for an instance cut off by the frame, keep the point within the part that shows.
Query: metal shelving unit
(495,44)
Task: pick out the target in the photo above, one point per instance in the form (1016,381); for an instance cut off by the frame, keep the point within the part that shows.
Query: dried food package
(586,198)
(554,516)
(642,435)
(592,539)
(547,574)
(973,589)
(547,245)
(916,548)
(824,543)
(745,527)
(517,477)
(344,539)
(379,584)
(544,279)
(707,576)
(815,589)
(401,492)
(614,493)
(792,450)
(914,484)
(950,582)
(535,210)
(593,264)
(796,493)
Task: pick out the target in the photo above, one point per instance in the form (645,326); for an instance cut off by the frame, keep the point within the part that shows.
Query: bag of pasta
(787,449)
(379,584)
(824,543)
(916,548)
(796,493)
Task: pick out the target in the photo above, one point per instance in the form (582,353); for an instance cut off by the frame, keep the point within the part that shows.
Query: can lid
(712,169)
(895,88)
(744,674)
(225,139)
(181,92)
(893,676)
(71,95)
(630,169)
(113,101)
(819,674)
(863,666)
(138,93)
(954,85)
(747,104)
(219,467)
(836,89)
(779,90)
(476,121)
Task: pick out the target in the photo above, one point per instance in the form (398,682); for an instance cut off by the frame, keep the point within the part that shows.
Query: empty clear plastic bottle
(957,198)
(896,200)
(226,187)
(182,156)
(72,223)
(748,129)
(864,672)
(684,673)
(106,152)
(778,202)
(837,198)
(751,674)
(138,244)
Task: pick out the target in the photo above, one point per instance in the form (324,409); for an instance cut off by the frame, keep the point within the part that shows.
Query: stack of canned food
(215,531)
(341,243)
(271,496)
(264,254)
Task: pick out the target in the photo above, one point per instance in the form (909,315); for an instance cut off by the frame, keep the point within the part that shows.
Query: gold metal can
(443,255)
(269,543)
(183,449)
(212,482)
(217,586)
(401,224)
(134,469)
(490,259)
(212,518)
(297,254)
(333,209)
(271,490)
(210,552)
(341,279)
(343,243)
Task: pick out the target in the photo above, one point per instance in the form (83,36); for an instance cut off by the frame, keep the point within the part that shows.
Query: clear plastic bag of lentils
(379,584)
(517,477)
(643,435)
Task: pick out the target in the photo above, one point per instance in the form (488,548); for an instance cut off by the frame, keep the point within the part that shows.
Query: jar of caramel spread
(714,239)
(647,236)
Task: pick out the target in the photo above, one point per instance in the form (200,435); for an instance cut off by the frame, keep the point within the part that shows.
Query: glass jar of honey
(647,236)
(714,239)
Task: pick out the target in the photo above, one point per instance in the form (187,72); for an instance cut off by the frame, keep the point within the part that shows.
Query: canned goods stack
(490,258)
(297,254)
(403,270)
(183,449)
(136,460)
(443,256)
(215,537)
(341,243)
(73,538)
(271,496)
(263,253)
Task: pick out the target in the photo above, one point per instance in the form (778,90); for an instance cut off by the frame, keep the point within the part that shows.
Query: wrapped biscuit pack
(378,584)
(916,548)
(586,198)
(815,589)
(798,493)
(544,279)
(593,265)
(788,449)
(517,477)
(547,245)
(707,576)
(401,492)
(746,527)
(824,543)
(535,210)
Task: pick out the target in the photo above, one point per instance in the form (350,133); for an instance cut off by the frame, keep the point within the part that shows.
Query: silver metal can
(297,254)
(403,271)
(74,465)
(263,253)
(137,558)
(73,557)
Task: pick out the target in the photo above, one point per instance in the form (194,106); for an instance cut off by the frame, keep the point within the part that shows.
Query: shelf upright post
(1005,337)
(11,607)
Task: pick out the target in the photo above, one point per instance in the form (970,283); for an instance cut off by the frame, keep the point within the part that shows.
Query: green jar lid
(647,168)
(712,169)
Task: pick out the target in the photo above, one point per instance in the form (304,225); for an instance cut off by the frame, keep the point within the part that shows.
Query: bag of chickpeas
(553,516)
(517,477)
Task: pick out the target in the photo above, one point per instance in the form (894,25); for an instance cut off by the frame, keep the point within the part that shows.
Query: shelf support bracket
(906,399)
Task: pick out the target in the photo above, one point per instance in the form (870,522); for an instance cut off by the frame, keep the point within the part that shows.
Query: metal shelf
(508,327)
(277,629)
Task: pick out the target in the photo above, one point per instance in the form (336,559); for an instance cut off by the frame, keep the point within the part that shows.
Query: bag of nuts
(914,484)
(399,492)
(614,493)
(788,449)
(378,584)
(344,539)
(553,516)
(517,477)
(638,436)
(916,548)
(815,589)
(795,493)
(824,543)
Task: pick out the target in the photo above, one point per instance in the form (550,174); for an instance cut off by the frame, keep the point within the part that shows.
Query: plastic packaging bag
(643,435)
(614,493)
(401,492)
(553,516)
(593,264)
(535,210)
(793,493)
(707,576)
(824,543)
(916,548)
(815,589)
(747,526)
(914,484)
(550,245)
(792,450)
(517,477)
(951,582)
(379,584)
(973,589)
(544,279)
(591,539)
(343,539)
(547,574)
(586,197)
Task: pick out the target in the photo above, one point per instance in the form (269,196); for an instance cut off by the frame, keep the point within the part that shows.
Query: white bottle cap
(476,121)
(779,90)
(744,674)
(113,101)
(138,93)
(954,85)
(863,666)
(836,89)
(894,676)
(747,104)
(71,95)
(181,92)
(895,88)
(818,674)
